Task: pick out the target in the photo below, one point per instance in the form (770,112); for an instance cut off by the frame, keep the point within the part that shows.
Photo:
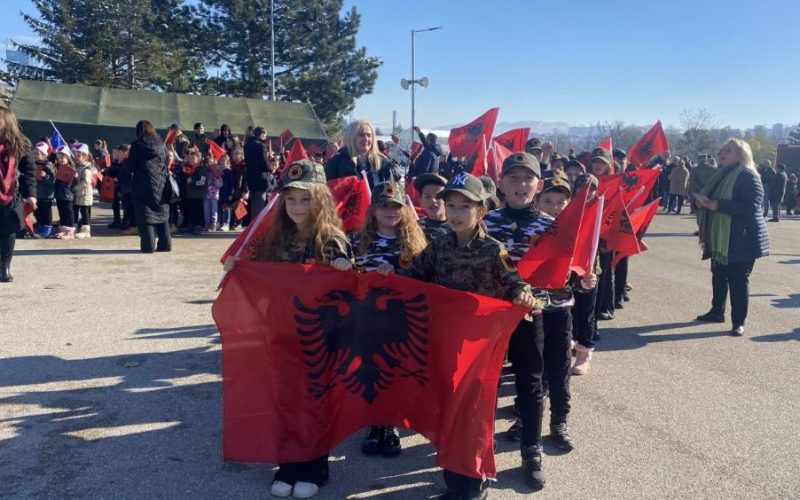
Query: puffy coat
(749,238)
(46,184)
(147,163)
(82,188)
(255,159)
(428,160)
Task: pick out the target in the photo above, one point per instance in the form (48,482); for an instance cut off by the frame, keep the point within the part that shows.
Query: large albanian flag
(311,355)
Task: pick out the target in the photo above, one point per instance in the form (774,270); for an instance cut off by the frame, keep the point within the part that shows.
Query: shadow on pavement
(778,337)
(76,251)
(790,302)
(635,337)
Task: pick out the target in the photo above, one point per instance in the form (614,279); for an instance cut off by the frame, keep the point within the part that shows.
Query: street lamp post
(423,82)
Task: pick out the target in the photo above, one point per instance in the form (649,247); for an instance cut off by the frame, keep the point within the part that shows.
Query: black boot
(532,466)
(474,489)
(454,482)
(5,272)
(712,317)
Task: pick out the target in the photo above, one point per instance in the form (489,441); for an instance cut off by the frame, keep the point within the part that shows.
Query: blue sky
(577,61)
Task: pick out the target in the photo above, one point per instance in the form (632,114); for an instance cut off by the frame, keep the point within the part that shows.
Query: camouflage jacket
(383,250)
(515,228)
(433,228)
(481,265)
(302,251)
(699,177)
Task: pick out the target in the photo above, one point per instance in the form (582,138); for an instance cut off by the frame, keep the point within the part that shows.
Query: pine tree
(316,57)
(112,43)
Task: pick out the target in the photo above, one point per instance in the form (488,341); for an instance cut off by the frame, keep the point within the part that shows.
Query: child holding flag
(211,202)
(469,259)
(64,196)
(45,190)
(516,225)
(390,239)
(302,228)
(557,321)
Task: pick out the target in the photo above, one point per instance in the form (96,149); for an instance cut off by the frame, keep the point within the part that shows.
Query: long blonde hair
(281,230)
(743,152)
(351,134)
(12,134)
(412,239)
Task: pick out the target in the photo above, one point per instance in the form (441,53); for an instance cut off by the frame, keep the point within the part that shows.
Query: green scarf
(715,226)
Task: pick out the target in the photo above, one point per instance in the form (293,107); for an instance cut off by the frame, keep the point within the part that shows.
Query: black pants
(44,212)
(66,215)
(194,213)
(84,215)
(313,471)
(7,242)
(584,320)
(128,212)
(147,237)
(605,285)
(736,277)
(557,360)
(620,279)
(173,213)
(116,206)
(675,199)
(526,353)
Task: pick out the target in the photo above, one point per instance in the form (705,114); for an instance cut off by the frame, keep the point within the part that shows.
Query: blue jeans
(210,209)
(224,216)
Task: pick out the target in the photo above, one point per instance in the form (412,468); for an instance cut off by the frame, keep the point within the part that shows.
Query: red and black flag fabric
(588,238)
(297,152)
(653,142)
(547,262)
(497,155)
(636,185)
(617,230)
(285,137)
(513,140)
(468,139)
(170,137)
(214,149)
(351,196)
(307,365)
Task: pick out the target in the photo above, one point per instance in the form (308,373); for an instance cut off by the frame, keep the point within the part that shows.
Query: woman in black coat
(148,165)
(360,153)
(733,233)
(17,186)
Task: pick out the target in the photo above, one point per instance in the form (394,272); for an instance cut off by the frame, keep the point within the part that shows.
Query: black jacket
(148,166)
(341,165)
(428,160)
(11,215)
(256,164)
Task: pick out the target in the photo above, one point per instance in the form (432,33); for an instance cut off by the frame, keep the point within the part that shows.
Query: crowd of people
(473,232)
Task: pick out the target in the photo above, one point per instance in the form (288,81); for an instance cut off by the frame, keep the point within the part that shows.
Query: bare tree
(699,119)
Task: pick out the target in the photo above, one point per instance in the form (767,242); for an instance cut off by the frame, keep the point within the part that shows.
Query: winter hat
(42,147)
(81,148)
(64,150)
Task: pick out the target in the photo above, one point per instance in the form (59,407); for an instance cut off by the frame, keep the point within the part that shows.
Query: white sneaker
(305,490)
(280,489)
(225,228)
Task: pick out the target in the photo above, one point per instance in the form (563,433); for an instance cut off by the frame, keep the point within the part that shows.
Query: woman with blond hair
(733,233)
(360,154)
(17,186)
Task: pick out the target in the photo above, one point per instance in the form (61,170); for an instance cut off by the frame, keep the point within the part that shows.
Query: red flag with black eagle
(497,155)
(617,230)
(466,140)
(513,140)
(636,185)
(351,196)
(588,238)
(640,220)
(215,150)
(546,264)
(170,137)
(305,366)
(653,142)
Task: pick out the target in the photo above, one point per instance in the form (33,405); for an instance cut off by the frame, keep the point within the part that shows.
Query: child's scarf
(8,175)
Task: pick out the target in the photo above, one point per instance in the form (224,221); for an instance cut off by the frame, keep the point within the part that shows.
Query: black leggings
(312,471)
(84,214)
(44,212)
(7,242)
(605,285)
(66,215)
(584,320)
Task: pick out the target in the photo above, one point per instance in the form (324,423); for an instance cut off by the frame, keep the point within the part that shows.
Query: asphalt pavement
(110,384)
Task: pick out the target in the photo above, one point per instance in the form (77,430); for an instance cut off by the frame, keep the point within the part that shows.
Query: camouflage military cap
(525,160)
(303,174)
(558,182)
(533,143)
(465,184)
(387,192)
(488,184)
(620,154)
(425,179)
(576,164)
(601,154)
(585,179)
